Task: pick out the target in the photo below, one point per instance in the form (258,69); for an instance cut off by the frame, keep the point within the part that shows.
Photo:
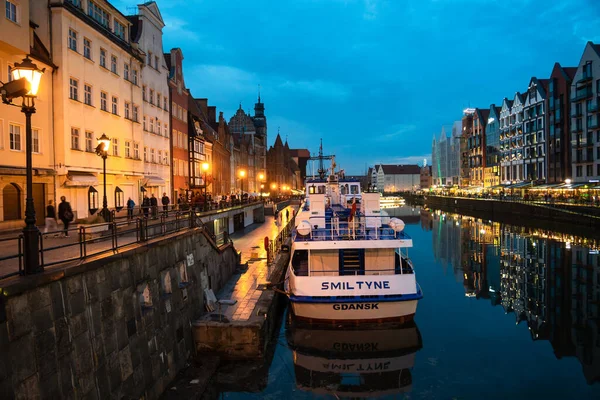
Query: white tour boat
(349,261)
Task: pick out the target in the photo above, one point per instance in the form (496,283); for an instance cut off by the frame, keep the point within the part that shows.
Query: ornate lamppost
(205,167)
(26,77)
(102,151)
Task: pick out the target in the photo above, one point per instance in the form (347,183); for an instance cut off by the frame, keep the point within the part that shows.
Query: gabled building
(476,147)
(25,32)
(179,138)
(491,169)
(467,132)
(146,34)
(445,157)
(398,178)
(558,117)
(511,139)
(97,90)
(585,136)
(535,131)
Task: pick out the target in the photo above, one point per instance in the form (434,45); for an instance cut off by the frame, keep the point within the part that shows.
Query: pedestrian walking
(287,215)
(154,205)
(165,202)
(130,207)
(65,213)
(51,224)
(145,206)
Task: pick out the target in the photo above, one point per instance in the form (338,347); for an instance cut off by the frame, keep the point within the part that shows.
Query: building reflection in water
(548,280)
(368,361)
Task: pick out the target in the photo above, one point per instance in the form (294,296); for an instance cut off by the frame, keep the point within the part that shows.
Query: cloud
(398,130)
(405,160)
(178,28)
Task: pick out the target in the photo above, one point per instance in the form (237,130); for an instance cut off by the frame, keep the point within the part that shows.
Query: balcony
(585,78)
(582,94)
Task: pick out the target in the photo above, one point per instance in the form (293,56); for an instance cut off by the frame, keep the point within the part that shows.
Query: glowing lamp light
(242,173)
(29,71)
(568,181)
(104,141)
(261,177)
(205,166)
(273,186)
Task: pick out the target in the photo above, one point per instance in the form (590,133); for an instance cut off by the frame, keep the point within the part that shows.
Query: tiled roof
(401,169)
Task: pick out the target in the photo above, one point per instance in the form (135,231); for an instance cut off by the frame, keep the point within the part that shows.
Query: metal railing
(360,228)
(276,244)
(86,241)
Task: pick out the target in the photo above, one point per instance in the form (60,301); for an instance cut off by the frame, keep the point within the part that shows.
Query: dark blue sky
(376,79)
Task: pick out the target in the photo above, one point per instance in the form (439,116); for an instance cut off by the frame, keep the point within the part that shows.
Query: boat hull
(402,311)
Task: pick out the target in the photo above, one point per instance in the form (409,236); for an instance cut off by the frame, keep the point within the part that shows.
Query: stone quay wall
(113,327)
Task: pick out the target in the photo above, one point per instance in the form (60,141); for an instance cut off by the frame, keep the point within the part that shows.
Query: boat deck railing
(359,228)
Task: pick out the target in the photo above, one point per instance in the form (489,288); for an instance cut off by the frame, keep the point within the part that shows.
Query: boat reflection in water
(373,360)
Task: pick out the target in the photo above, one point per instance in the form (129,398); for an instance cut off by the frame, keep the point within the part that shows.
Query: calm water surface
(508,313)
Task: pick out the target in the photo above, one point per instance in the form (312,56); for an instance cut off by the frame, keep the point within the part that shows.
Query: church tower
(260,125)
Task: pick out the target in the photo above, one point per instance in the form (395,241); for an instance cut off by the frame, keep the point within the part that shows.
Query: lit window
(75,138)
(72,40)
(89,137)
(87,48)
(73,89)
(115,147)
(15,137)
(11,11)
(87,94)
(35,140)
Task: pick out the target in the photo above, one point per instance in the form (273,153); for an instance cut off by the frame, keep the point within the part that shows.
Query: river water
(508,312)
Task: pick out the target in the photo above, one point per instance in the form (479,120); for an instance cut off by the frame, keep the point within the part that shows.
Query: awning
(153,181)
(80,179)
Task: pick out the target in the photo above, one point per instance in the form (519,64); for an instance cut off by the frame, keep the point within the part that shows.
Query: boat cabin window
(344,189)
(321,189)
(354,189)
(300,262)
(311,189)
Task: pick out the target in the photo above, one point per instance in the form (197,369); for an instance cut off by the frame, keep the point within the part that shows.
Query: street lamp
(205,167)
(242,174)
(26,77)
(102,151)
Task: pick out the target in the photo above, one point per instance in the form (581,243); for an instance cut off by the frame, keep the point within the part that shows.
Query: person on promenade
(154,205)
(65,213)
(146,205)
(165,202)
(51,224)
(130,207)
